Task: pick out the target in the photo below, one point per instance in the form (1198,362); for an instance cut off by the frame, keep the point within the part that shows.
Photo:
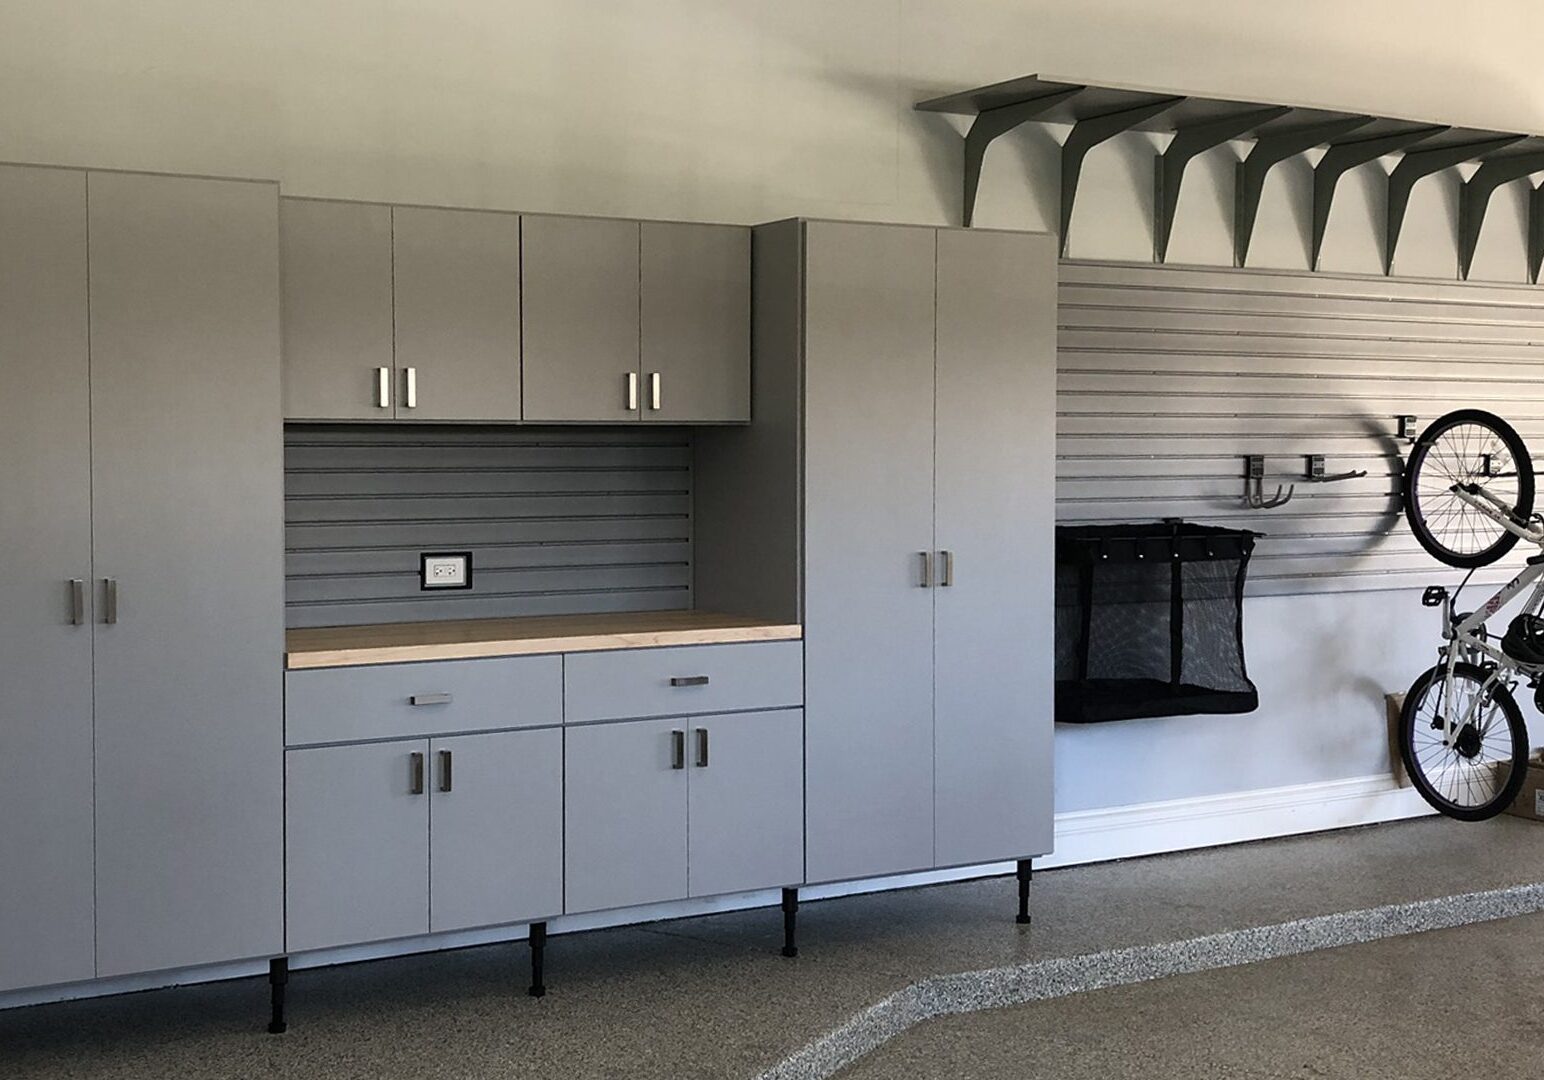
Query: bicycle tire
(1419,765)
(1425,508)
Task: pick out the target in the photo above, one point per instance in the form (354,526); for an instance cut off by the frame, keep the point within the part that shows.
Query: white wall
(747,111)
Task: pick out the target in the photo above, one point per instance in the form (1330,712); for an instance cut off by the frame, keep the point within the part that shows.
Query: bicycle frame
(1468,637)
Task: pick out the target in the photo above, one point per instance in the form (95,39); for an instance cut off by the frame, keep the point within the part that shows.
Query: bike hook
(1254,486)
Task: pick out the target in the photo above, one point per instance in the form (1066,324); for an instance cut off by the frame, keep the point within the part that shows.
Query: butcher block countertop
(388,643)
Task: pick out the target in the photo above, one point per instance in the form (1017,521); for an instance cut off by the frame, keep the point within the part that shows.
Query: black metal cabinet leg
(278,978)
(1026,871)
(790,922)
(538,942)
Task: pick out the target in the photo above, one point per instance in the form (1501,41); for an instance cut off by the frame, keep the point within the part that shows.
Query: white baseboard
(1082,836)
(1122,832)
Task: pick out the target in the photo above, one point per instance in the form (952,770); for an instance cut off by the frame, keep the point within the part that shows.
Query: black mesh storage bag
(1150,621)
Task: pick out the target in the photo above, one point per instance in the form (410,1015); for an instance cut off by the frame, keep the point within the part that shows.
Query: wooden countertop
(388,643)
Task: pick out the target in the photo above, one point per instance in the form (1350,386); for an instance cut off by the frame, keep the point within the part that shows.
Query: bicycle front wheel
(1476,774)
(1467,447)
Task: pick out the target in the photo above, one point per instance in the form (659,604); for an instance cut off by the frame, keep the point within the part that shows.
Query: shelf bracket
(1269,151)
(1189,142)
(991,123)
(1340,159)
(1418,164)
(1535,234)
(1474,199)
(1089,133)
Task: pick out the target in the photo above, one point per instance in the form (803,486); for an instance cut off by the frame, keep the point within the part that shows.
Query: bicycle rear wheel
(1479,774)
(1466,447)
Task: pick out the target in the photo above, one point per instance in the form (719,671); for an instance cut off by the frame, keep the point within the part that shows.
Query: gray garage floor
(1459,1003)
(710,997)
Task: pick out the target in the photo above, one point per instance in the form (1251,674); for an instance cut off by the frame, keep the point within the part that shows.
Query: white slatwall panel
(1169,376)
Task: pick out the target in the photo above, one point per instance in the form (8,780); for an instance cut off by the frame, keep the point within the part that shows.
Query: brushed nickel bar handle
(945,569)
(927,569)
(444,770)
(431,699)
(632,391)
(678,749)
(77,601)
(109,600)
(383,388)
(689,680)
(654,390)
(702,748)
(411,390)
(416,770)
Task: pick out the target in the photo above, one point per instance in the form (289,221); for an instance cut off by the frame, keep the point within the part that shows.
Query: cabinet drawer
(682,681)
(395,700)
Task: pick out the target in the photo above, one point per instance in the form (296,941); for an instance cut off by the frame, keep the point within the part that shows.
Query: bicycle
(1468,495)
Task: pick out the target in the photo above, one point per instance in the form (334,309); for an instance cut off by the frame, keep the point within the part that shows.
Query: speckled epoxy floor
(710,997)
(1466,1002)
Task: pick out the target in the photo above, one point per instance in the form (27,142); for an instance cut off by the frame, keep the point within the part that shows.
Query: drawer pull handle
(444,770)
(689,680)
(678,749)
(416,769)
(702,748)
(431,699)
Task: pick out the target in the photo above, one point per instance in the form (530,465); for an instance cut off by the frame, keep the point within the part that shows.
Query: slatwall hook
(1315,473)
(1254,486)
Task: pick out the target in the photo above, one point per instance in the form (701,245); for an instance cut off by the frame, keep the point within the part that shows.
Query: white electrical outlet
(446,570)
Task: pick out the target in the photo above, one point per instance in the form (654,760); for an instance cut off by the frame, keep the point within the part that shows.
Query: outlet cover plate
(445,570)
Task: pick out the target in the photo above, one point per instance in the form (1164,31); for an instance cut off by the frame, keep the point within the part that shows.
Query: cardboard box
(1530,800)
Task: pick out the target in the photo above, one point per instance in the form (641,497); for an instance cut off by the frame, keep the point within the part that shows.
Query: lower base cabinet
(389,840)
(662,810)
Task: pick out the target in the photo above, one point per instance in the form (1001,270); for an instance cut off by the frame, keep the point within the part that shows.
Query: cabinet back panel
(570,521)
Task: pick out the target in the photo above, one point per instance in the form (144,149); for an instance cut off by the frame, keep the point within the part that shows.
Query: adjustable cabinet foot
(790,922)
(278,978)
(1026,871)
(538,943)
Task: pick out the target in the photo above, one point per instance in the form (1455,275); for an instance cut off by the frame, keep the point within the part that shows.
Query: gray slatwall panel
(1168,376)
(559,521)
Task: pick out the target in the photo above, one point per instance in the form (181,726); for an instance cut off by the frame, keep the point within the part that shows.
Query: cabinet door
(45,543)
(357,857)
(625,814)
(336,269)
(695,309)
(579,284)
(496,828)
(457,310)
(746,812)
(996,452)
(868,627)
(188,521)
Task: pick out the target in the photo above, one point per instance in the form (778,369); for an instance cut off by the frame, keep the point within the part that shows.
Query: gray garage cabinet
(919,365)
(140,590)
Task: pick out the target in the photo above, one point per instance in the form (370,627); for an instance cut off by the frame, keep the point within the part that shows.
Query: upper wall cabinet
(411,313)
(630,322)
(335,261)
(457,287)
(695,286)
(580,287)
(400,313)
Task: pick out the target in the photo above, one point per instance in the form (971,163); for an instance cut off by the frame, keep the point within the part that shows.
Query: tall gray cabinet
(46,907)
(142,622)
(927,411)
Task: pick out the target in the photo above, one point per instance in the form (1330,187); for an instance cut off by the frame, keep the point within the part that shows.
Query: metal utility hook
(1254,486)
(1316,474)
